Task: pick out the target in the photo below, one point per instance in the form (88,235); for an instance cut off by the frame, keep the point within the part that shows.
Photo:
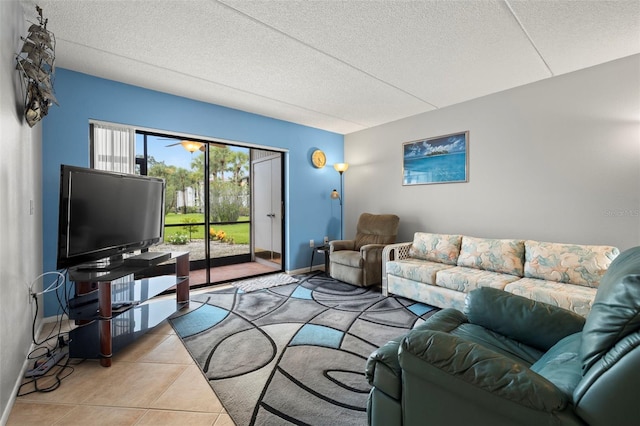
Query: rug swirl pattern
(293,354)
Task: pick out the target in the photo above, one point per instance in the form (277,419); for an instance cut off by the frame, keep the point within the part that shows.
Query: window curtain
(113,147)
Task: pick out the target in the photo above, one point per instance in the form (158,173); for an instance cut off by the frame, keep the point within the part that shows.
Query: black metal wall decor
(36,66)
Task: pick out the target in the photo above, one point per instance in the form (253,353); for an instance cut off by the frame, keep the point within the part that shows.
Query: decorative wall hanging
(443,159)
(36,66)
(318,159)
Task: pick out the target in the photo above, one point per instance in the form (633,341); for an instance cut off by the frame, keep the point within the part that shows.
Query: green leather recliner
(508,360)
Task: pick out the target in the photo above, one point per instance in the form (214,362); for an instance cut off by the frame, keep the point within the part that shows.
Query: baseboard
(14,394)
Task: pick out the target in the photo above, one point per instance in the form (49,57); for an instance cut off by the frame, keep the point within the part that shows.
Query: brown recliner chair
(359,261)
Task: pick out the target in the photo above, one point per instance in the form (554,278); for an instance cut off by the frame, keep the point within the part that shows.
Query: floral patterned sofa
(439,269)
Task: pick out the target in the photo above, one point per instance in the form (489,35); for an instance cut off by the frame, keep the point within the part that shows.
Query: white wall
(20,231)
(557,160)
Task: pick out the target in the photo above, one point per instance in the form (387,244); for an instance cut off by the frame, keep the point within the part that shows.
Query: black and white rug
(295,353)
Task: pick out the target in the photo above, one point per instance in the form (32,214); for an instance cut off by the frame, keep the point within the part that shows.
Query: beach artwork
(443,159)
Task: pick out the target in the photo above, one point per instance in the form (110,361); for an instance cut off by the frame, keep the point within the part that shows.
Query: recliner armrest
(383,371)
(461,366)
(533,323)
(446,320)
(337,245)
(372,252)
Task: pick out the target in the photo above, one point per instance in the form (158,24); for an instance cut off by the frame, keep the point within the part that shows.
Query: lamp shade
(335,195)
(341,167)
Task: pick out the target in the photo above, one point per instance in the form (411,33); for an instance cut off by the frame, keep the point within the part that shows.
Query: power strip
(42,368)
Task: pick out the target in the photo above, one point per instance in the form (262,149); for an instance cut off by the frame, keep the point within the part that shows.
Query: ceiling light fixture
(192,146)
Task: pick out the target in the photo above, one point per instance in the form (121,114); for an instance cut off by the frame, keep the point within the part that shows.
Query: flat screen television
(103,215)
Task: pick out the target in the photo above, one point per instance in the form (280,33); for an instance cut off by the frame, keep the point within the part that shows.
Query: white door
(267,208)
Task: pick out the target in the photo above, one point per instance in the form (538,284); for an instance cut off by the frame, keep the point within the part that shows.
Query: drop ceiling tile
(572,35)
(440,52)
(336,65)
(223,47)
(168,81)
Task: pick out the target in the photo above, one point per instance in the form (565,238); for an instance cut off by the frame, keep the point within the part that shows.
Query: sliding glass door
(228,205)
(210,197)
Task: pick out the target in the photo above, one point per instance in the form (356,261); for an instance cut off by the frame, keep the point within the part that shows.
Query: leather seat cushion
(561,365)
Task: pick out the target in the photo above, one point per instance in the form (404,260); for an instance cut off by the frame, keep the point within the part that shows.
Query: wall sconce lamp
(335,195)
(340,168)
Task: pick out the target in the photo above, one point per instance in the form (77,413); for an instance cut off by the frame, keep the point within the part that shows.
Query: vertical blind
(113,147)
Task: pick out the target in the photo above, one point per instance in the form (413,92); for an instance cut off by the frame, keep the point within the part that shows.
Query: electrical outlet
(326,240)
(311,243)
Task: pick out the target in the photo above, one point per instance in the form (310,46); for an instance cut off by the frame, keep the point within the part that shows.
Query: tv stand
(101,265)
(120,311)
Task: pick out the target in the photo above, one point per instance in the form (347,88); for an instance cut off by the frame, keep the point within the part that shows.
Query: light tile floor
(154,381)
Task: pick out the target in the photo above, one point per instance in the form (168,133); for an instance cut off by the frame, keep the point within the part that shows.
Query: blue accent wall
(310,213)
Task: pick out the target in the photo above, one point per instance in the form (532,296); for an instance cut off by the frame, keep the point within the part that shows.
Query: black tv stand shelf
(110,314)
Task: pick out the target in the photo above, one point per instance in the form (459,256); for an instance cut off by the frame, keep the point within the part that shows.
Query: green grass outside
(239,232)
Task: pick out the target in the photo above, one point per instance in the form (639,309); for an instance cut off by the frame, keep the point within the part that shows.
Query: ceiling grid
(341,66)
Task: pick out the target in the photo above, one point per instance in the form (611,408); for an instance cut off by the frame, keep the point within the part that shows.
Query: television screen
(105,214)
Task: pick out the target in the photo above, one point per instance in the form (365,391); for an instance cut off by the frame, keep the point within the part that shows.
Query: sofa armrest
(397,251)
(533,323)
(337,245)
(463,367)
(383,371)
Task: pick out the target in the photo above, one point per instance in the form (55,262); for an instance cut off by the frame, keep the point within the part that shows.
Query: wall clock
(318,159)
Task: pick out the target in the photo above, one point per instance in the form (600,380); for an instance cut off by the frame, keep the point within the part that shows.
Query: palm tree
(183,179)
(239,166)
(219,161)
(160,169)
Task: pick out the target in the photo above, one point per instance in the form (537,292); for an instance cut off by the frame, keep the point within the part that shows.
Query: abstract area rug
(265,281)
(294,354)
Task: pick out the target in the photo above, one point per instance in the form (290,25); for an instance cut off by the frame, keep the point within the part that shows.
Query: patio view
(216,210)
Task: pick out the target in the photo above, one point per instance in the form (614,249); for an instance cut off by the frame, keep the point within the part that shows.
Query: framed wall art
(443,159)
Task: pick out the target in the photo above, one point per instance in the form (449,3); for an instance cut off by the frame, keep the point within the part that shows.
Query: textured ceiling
(341,66)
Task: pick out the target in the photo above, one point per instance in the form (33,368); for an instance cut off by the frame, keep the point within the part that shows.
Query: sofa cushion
(464,279)
(425,293)
(575,298)
(568,263)
(416,270)
(441,248)
(506,256)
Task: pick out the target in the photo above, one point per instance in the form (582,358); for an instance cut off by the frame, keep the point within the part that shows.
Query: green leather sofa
(509,360)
